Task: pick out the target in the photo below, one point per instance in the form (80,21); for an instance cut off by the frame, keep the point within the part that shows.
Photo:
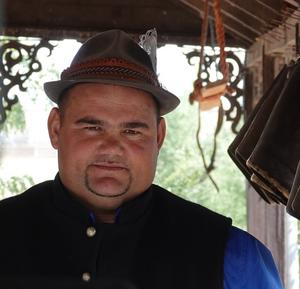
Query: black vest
(160,241)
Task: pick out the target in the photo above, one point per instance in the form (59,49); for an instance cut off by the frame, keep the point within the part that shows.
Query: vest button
(86,277)
(91,232)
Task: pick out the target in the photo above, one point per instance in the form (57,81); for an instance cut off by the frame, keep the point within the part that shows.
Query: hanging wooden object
(209,96)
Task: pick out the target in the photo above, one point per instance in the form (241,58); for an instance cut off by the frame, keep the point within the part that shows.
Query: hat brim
(166,100)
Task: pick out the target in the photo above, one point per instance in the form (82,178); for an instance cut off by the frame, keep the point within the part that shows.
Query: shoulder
(248,263)
(26,200)
(187,212)
(200,233)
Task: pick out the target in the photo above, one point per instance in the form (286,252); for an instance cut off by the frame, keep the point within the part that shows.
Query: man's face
(108,138)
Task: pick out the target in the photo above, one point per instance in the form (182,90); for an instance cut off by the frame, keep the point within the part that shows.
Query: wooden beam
(231,24)
(175,22)
(56,19)
(242,13)
(292,2)
(271,5)
(247,11)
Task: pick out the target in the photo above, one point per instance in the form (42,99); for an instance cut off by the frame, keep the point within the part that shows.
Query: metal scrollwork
(18,62)
(236,72)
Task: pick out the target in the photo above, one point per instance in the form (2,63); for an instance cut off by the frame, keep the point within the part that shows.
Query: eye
(131,132)
(94,128)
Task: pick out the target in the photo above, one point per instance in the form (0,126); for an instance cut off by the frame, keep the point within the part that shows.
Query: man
(102,220)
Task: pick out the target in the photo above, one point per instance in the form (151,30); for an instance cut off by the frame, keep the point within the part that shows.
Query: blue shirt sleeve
(248,264)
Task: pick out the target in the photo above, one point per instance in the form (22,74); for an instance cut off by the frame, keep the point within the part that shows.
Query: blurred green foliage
(180,167)
(15,185)
(15,120)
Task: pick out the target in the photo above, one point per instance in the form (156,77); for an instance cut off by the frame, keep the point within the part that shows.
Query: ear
(161,132)
(54,124)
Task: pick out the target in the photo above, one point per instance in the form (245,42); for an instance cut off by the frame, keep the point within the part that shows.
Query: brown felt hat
(113,57)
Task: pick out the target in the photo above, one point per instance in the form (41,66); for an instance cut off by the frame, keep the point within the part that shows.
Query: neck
(108,217)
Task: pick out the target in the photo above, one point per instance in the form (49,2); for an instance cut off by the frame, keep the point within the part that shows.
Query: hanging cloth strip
(267,147)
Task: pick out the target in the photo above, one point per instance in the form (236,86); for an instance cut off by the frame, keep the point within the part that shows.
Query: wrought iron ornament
(236,74)
(18,62)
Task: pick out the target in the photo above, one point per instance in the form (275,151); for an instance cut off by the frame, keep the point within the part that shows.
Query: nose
(110,144)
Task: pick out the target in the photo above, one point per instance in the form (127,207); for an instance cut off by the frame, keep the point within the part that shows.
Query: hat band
(115,68)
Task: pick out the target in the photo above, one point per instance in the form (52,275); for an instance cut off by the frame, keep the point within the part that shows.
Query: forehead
(116,98)
(113,101)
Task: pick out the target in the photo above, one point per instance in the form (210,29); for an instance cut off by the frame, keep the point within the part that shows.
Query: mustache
(110,160)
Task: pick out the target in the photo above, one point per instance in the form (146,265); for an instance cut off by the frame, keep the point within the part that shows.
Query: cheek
(74,152)
(143,154)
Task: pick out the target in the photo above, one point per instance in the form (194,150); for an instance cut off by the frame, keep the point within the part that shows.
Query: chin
(108,186)
(108,190)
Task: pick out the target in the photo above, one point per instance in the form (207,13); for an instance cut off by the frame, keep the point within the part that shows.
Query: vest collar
(129,212)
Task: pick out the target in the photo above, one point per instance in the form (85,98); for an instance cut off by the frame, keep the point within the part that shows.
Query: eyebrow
(135,124)
(90,120)
(129,124)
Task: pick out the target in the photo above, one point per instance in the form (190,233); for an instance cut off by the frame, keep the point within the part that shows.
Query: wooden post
(266,222)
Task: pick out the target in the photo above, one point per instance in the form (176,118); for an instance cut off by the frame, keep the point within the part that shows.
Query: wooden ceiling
(177,21)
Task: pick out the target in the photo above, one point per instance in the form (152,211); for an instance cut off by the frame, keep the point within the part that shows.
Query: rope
(217,130)
(203,39)
(220,38)
(213,44)
(211,166)
(207,169)
(220,35)
(197,87)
